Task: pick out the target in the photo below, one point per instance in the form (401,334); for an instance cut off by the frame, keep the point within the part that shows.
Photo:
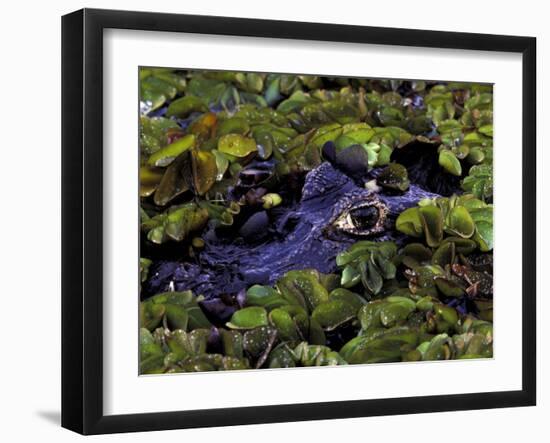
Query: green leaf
(205,170)
(326,133)
(449,162)
(184,106)
(380,346)
(154,92)
(459,222)
(409,222)
(486,130)
(285,325)
(432,224)
(177,223)
(265,296)
(248,318)
(303,288)
(151,315)
(177,317)
(479,181)
(396,310)
(237,145)
(175,180)
(316,355)
(164,156)
(395,177)
(234,125)
(370,276)
(232,342)
(358,249)
(281,357)
(350,276)
(258,343)
(153,133)
(333,313)
(349,297)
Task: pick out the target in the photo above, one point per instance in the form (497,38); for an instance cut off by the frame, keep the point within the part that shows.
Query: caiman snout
(333,213)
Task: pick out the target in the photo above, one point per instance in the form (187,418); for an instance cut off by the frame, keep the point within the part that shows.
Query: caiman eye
(365,218)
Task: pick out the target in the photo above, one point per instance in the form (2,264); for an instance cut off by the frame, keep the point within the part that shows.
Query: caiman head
(334,211)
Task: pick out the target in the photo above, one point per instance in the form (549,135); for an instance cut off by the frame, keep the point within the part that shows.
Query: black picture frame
(82,187)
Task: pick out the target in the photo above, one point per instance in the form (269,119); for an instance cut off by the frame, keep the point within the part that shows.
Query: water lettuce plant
(296,220)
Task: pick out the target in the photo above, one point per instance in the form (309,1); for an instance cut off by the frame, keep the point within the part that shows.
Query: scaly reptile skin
(303,237)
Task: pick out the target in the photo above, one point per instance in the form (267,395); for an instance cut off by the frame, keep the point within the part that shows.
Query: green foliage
(198,132)
(462,216)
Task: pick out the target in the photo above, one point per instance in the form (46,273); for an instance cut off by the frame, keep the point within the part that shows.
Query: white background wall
(30,218)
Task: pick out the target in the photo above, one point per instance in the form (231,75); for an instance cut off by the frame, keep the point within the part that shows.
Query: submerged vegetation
(293,220)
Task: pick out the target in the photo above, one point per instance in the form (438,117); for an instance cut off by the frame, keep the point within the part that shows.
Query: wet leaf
(144,264)
(369,315)
(350,276)
(479,182)
(459,222)
(205,170)
(446,313)
(154,92)
(281,320)
(177,317)
(174,180)
(234,125)
(151,315)
(236,145)
(258,343)
(380,346)
(432,224)
(281,357)
(232,343)
(317,355)
(203,127)
(149,179)
(164,156)
(370,276)
(462,245)
(417,252)
(449,287)
(248,318)
(351,298)
(326,133)
(396,310)
(360,135)
(184,106)
(449,162)
(438,348)
(272,92)
(234,364)
(333,313)
(444,254)
(484,236)
(303,288)
(222,164)
(265,296)
(410,222)
(395,177)
(153,133)
(177,223)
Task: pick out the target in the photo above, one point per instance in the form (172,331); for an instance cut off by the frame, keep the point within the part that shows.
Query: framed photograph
(270,221)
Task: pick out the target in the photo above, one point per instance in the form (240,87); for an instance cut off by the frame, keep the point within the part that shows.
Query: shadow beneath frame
(53,417)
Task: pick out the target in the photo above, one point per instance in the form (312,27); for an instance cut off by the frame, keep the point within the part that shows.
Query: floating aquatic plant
(296,169)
